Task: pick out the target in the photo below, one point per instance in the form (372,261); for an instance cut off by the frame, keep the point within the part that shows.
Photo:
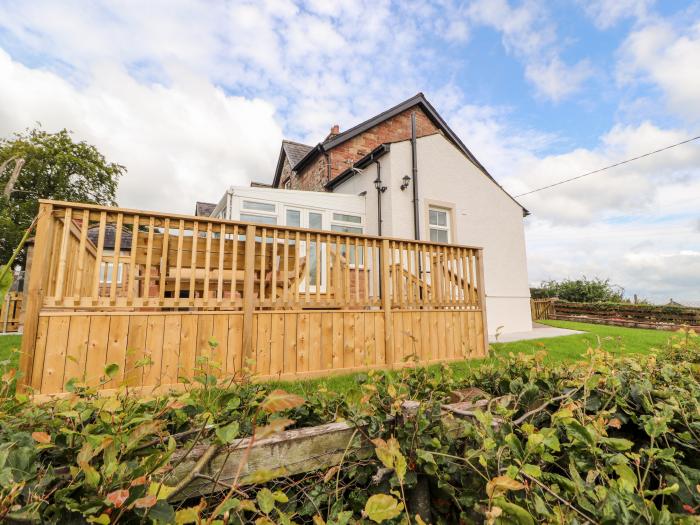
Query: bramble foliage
(581,290)
(605,441)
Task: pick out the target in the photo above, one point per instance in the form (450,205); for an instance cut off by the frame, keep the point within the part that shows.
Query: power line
(608,167)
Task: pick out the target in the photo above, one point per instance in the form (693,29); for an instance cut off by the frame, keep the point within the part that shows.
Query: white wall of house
(481,213)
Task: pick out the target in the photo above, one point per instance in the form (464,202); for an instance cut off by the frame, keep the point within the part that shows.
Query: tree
(582,290)
(55,167)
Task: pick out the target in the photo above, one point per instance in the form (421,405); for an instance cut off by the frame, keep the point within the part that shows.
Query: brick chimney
(335,130)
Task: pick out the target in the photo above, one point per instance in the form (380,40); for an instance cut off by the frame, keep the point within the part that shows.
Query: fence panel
(10,312)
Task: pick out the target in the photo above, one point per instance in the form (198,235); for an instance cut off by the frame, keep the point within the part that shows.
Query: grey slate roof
(110,237)
(295,151)
(204,209)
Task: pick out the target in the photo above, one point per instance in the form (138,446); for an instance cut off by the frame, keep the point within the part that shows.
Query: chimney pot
(335,129)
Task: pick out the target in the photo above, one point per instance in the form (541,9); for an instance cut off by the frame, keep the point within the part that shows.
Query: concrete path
(539,331)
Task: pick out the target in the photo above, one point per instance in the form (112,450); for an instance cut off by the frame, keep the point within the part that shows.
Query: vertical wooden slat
(149,259)
(171,349)
(328,267)
(290,343)
(338,276)
(220,283)
(285,264)
(317,247)
(133,285)
(356,261)
(315,341)
(375,272)
(297,277)
(386,304)
(263,265)
(365,265)
(193,261)
(115,258)
(63,254)
(98,341)
(178,260)
(277,344)
(163,271)
(410,252)
(273,284)
(234,263)
(248,290)
(55,355)
(80,270)
(482,296)
(327,340)
(98,257)
(307,270)
(207,264)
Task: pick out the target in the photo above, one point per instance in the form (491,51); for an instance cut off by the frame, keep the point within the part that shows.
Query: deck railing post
(38,281)
(386,304)
(249,291)
(481,287)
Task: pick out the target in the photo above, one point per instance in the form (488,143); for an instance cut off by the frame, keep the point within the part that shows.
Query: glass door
(313,219)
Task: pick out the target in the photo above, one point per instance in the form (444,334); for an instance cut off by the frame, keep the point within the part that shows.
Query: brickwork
(314,176)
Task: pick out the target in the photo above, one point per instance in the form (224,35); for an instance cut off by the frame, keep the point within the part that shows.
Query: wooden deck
(111,285)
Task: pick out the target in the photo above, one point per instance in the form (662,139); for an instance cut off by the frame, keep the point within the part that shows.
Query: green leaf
(618,444)
(576,431)
(382,507)
(628,479)
(532,470)
(228,433)
(502,484)
(111,370)
(266,501)
(162,512)
(516,512)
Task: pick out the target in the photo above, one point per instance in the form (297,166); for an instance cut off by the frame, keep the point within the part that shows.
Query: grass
(8,343)
(616,340)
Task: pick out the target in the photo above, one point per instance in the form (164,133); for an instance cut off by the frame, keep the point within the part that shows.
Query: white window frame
(449,221)
(260,213)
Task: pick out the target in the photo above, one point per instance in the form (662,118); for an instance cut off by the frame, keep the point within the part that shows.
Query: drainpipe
(378,184)
(414,166)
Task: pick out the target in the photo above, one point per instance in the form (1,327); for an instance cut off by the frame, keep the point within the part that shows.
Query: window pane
(347,218)
(262,206)
(293,218)
(433,217)
(262,219)
(315,221)
(438,235)
(346,229)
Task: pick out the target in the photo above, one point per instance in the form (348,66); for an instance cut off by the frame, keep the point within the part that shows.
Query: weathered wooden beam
(287,453)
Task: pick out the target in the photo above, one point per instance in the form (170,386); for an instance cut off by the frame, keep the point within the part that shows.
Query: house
(403,174)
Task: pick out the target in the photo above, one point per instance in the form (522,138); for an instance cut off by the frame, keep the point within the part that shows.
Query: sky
(193,97)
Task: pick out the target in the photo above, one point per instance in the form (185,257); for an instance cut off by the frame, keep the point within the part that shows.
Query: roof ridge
(295,142)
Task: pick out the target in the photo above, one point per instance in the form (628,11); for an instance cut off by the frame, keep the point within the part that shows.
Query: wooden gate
(542,309)
(10,311)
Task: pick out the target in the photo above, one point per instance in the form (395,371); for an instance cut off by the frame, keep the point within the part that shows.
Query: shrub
(581,290)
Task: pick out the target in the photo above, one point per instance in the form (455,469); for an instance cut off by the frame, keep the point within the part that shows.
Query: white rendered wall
(483,216)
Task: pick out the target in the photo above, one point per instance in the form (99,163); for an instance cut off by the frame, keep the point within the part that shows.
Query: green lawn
(617,340)
(8,343)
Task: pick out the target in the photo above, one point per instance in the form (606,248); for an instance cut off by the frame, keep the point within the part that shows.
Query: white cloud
(668,57)
(607,13)
(529,33)
(180,144)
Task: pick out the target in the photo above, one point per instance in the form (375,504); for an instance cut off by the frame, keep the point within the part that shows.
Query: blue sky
(195,96)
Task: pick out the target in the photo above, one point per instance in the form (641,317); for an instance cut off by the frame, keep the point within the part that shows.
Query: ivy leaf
(618,444)
(382,507)
(628,479)
(502,484)
(389,453)
(279,400)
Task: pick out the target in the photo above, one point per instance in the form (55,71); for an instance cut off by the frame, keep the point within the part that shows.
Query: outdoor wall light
(378,185)
(406,180)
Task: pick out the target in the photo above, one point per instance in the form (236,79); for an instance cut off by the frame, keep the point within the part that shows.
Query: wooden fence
(110,285)
(542,309)
(626,314)
(10,312)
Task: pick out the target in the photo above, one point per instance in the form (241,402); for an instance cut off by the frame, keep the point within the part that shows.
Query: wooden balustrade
(97,260)
(107,258)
